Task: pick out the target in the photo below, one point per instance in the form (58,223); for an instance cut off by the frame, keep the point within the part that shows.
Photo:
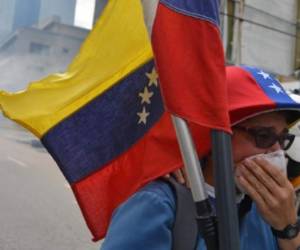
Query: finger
(258,186)
(277,188)
(255,196)
(272,170)
(179,176)
(262,176)
(185,176)
(279,195)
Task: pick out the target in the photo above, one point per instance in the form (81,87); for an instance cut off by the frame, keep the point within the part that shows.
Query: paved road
(37,208)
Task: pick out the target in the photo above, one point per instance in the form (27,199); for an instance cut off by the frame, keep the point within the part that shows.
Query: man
(260,113)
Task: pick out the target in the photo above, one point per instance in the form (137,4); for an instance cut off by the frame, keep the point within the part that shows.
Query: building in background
(16,14)
(32,53)
(262,33)
(25,13)
(64,9)
(10,11)
(43,39)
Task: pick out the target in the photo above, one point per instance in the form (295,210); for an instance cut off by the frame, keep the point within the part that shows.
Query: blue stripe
(272,88)
(104,128)
(204,9)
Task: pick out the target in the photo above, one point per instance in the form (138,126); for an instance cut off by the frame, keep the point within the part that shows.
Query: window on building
(38,48)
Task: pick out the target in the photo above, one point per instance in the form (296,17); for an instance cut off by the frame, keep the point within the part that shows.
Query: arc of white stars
(276,88)
(153,78)
(264,74)
(143,116)
(146,95)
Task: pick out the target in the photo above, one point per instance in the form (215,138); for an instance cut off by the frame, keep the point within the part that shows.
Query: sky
(84,13)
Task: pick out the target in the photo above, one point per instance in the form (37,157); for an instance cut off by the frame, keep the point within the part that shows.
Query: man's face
(244,143)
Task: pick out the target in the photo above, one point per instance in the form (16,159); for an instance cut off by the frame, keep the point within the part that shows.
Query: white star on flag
(264,74)
(153,78)
(143,116)
(146,95)
(276,88)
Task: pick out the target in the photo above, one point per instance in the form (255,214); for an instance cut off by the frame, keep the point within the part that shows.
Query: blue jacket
(145,222)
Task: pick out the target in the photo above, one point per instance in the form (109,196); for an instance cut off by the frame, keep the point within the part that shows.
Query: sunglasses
(266,137)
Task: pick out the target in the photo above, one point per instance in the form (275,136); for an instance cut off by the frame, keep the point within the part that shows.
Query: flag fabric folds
(190,61)
(103,120)
(91,114)
(103,60)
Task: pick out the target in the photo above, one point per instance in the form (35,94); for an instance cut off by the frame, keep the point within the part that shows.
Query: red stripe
(153,156)
(190,62)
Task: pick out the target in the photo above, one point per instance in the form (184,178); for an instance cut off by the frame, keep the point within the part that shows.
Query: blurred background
(40,37)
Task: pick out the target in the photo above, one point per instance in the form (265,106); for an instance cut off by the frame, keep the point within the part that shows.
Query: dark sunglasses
(266,137)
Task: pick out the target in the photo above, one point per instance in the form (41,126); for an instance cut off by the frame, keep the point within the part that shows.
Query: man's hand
(273,194)
(270,189)
(180,176)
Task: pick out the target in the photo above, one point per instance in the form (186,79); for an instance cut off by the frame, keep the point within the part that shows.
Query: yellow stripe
(115,47)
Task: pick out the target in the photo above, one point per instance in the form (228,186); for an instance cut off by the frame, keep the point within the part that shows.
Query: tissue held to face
(276,158)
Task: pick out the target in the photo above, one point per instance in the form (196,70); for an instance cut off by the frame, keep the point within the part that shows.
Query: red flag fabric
(190,61)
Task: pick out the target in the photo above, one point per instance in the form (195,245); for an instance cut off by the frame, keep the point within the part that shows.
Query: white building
(16,14)
(32,53)
(11,17)
(64,9)
(262,33)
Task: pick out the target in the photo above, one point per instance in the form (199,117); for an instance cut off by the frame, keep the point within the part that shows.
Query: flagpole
(225,191)
(205,217)
(227,237)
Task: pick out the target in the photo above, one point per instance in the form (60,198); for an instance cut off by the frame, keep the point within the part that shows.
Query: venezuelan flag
(103,120)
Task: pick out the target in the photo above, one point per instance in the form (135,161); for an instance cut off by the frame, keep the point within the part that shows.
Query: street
(37,207)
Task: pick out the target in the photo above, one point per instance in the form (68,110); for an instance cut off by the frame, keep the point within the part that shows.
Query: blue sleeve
(145,222)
